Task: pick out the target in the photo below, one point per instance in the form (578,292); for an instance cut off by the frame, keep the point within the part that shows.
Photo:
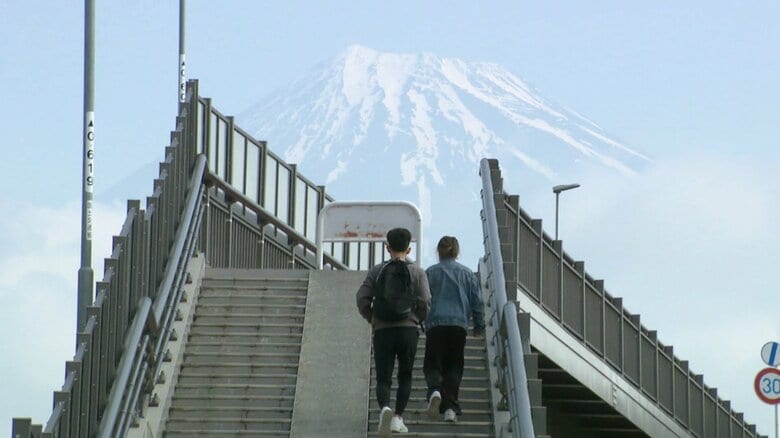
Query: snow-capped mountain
(374,125)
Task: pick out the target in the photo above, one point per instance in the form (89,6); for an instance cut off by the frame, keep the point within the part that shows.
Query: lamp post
(86,276)
(557,190)
(182,78)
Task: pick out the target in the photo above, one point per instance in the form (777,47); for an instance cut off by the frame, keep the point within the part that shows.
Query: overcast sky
(691,244)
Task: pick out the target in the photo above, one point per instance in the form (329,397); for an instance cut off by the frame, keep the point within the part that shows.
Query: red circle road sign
(767,385)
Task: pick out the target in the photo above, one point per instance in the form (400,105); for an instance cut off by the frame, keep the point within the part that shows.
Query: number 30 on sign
(767,385)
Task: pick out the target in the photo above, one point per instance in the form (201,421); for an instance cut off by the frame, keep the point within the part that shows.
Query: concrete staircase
(240,364)
(477,418)
(254,366)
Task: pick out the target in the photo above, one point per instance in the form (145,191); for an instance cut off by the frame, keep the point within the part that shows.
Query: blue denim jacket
(455,296)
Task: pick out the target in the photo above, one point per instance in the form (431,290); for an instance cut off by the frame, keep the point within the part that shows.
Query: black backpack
(394,299)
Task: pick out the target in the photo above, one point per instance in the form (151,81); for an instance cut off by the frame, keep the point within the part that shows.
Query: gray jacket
(365,297)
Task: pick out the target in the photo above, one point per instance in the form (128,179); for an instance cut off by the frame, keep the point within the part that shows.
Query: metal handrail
(193,198)
(151,318)
(232,193)
(517,393)
(117,393)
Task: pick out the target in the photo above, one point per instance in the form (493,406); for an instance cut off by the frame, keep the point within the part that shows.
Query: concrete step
(219,412)
(248,358)
(205,336)
(191,378)
(245,318)
(254,290)
(227,368)
(468,371)
(418,401)
(419,425)
(199,346)
(230,424)
(229,328)
(238,401)
(466,381)
(187,433)
(252,309)
(241,300)
(420,388)
(419,412)
(468,352)
(478,362)
(446,434)
(231,274)
(209,390)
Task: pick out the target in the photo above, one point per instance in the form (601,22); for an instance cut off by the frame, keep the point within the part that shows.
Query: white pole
(182,78)
(85,275)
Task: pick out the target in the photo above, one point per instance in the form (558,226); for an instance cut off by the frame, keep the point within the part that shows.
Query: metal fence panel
(649,367)
(551,297)
(612,330)
(681,394)
(696,396)
(594,322)
(665,382)
(573,301)
(529,254)
(631,351)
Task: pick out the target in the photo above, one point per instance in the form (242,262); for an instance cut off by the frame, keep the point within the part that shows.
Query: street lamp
(557,190)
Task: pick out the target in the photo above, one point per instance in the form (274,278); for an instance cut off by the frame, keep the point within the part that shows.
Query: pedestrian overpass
(212,320)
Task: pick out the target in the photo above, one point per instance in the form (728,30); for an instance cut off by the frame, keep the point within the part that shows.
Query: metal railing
(539,268)
(272,193)
(510,350)
(123,342)
(121,349)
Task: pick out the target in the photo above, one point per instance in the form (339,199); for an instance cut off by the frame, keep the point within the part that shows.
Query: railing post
(262,172)
(537,224)
(231,128)
(580,268)
(21,427)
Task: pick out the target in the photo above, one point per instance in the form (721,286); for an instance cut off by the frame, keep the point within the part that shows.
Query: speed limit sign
(767,385)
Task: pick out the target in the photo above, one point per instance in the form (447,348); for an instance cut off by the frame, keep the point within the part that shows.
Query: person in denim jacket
(455,298)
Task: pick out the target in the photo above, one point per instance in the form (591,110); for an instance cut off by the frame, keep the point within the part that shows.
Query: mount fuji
(386,126)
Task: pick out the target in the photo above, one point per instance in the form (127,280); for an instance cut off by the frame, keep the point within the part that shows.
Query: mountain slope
(374,125)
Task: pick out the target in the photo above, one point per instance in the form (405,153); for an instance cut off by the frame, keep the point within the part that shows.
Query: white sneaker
(450,416)
(433,405)
(385,419)
(397,425)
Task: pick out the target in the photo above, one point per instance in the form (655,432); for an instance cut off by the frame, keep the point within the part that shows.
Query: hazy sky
(694,84)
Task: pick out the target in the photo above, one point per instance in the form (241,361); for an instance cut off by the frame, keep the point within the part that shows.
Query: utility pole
(86,276)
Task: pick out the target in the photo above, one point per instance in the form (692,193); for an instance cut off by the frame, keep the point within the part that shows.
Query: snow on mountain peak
(422,122)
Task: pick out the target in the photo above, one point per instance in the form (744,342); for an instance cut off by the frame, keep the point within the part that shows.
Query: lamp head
(564,187)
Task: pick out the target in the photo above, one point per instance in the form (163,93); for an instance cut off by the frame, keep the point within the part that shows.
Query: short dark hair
(448,248)
(398,239)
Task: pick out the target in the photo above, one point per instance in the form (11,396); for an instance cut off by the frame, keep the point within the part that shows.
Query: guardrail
(286,204)
(123,341)
(193,207)
(560,285)
(513,382)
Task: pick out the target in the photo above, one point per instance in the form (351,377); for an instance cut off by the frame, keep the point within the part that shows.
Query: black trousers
(443,364)
(389,343)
